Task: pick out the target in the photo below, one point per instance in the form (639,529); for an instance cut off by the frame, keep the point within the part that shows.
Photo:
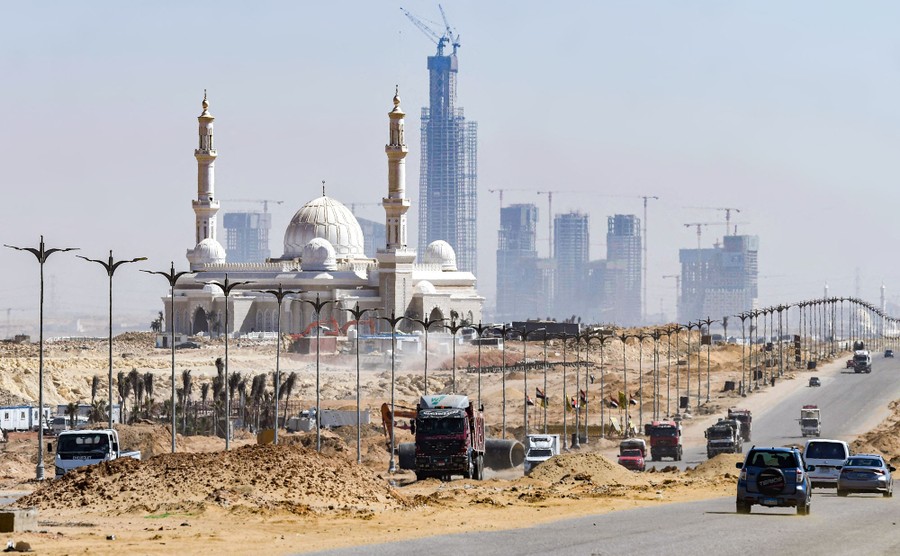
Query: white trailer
(22,417)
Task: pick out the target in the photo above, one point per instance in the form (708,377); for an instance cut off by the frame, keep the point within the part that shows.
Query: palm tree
(72,412)
(218,388)
(286,389)
(233,380)
(98,411)
(148,388)
(187,386)
(123,385)
(256,395)
(242,394)
(134,377)
(204,394)
(95,386)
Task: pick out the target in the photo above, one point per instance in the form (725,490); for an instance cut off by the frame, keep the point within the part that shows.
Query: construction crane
(354,205)
(264,202)
(699,225)
(439,39)
(500,190)
(727,210)
(549,195)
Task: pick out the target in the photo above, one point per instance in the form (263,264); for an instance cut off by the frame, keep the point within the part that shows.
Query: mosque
(323,260)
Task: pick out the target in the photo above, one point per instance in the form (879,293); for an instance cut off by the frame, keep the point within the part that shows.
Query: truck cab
(723,437)
(810,420)
(862,361)
(665,440)
(745,418)
(540,448)
(449,438)
(77,448)
(632,452)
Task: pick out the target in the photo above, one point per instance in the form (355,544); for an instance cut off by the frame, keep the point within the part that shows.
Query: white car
(828,456)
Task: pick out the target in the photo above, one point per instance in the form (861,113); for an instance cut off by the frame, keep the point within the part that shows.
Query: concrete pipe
(503,454)
(407,455)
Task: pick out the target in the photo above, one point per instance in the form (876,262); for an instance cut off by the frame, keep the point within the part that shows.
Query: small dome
(328,219)
(208,251)
(425,287)
(318,254)
(440,252)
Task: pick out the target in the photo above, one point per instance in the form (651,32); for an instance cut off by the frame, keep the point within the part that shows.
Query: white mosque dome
(209,251)
(425,287)
(319,254)
(211,289)
(440,252)
(328,219)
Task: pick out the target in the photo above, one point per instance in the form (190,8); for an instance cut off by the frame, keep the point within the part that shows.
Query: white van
(827,456)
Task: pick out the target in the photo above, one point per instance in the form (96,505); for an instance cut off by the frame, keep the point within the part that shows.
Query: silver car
(866,473)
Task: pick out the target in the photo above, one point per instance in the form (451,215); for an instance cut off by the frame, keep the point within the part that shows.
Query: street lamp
(279,294)
(357,314)
(454,327)
(42,254)
(545,402)
(525,333)
(640,337)
(565,338)
(426,324)
(480,329)
(603,339)
(689,326)
(677,328)
(226,288)
(392,320)
(743,317)
(656,335)
(503,331)
(172,277)
(318,305)
(111,266)
(708,322)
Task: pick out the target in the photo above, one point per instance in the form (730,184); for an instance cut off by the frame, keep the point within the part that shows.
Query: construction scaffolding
(623,255)
(448,197)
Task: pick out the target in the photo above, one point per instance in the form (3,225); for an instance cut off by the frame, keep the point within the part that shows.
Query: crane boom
(437,39)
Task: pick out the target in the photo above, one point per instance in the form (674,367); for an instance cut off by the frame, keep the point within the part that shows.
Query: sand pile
(593,468)
(721,466)
(884,439)
(255,478)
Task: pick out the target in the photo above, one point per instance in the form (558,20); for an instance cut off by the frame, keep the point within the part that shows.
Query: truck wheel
(479,468)
(470,471)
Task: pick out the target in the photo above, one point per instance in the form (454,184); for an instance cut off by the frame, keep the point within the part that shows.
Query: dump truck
(540,448)
(77,448)
(745,418)
(724,437)
(665,440)
(862,361)
(632,452)
(810,420)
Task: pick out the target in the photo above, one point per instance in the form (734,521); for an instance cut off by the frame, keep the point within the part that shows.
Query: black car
(889,353)
(814,381)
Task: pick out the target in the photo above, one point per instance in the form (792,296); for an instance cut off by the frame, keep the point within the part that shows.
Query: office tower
(571,241)
(719,281)
(623,269)
(517,285)
(247,236)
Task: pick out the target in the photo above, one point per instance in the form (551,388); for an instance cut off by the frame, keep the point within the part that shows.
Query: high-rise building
(571,243)
(374,235)
(449,166)
(517,284)
(623,269)
(247,236)
(719,281)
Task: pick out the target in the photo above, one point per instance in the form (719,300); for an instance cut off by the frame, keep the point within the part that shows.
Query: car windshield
(631,453)
(863,462)
(663,431)
(860,357)
(809,423)
(782,460)
(539,453)
(719,433)
(826,450)
(80,443)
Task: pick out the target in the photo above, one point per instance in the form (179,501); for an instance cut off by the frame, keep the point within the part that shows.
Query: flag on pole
(528,400)
(583,396)
(542,398)
(573,402)
(613,403)
(569,404)
(622,400)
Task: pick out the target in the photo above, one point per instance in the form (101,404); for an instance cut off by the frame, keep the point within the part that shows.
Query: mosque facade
(323,263)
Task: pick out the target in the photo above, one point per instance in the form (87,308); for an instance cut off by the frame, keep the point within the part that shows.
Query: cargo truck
(77,448)
(665,440)
(449,433)
(540,448)
(810,420)
(723,437)
(745,418)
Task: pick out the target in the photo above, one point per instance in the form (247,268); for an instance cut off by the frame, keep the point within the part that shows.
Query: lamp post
(426,324)
(318,305)
(743,317)
(111,266)
(503,331)
(677,328)
(525,333)
(357,314)
(603,339)
(480,329)
(392,320)
(708,322)
(656,335)
(588,336)
(226,288)
(454,327)
(565,338)
(42,254)
(545,403)
(641,337)
(687,381)
(172,277)
(280,293)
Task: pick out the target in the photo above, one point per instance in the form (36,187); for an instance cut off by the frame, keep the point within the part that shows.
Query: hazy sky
(786,110)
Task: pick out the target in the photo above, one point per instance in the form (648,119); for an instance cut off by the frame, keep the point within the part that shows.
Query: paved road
(851,404)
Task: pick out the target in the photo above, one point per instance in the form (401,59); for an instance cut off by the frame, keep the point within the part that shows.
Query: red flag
(583,395)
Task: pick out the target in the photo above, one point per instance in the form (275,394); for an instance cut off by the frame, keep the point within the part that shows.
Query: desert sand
(290,498)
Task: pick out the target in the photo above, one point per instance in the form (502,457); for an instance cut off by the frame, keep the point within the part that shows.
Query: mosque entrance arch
(201,322)
(437,315)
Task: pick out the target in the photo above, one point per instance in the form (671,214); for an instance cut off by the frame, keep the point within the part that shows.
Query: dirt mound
(720,466)
(593,467)
(254,478)
(884,439)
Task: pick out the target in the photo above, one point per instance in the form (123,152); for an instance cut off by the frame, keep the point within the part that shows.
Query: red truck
(631,453)
(665,440)
(449,433)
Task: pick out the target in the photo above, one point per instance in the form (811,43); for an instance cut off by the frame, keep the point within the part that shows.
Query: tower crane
(500,190)
(354,205)
(438,39)
(699,225)
(453,40)
(264,202)
(728,211)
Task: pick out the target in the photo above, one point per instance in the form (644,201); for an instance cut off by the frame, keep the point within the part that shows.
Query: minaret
(395,261)
(206,207)
(207,249)
(396,204)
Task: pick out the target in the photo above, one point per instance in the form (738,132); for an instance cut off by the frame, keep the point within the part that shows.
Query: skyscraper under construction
(449,166)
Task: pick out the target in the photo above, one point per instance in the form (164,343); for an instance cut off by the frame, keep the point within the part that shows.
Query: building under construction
(519,284)
(720,281)
(571,244)
(623,258)
(247,236)
(448,179)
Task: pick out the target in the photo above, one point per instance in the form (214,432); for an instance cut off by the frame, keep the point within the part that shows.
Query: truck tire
(470,471)
(680,453)
(479,468)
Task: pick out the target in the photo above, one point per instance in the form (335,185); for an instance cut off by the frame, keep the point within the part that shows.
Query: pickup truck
(77,448)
